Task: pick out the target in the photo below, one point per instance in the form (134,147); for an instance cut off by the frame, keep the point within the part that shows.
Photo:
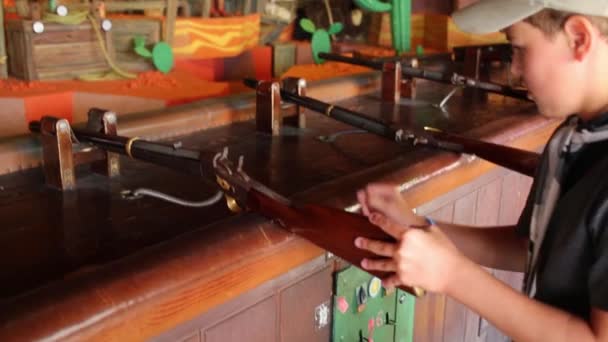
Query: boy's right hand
(386,199)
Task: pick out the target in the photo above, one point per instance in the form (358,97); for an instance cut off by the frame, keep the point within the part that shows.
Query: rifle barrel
(442,56)
(436,76)
(341,114)
(171,156)
(355,119)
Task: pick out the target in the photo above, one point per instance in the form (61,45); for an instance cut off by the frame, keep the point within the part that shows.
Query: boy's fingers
(380,195)
(362,198)
(387,225)
(386,265)
(386,249)
(391,282)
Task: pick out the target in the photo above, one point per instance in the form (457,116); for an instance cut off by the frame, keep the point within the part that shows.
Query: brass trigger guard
(230,201)
(232,204)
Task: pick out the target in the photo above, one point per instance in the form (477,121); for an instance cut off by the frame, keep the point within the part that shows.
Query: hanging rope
(78,17)
(102,44)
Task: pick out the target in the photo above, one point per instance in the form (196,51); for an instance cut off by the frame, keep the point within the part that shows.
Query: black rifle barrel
(436,76)
(171,156)
(442,56)
(345,115)
(352,118)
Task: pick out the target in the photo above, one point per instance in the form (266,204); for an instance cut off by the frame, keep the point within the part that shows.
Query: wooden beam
(119,6)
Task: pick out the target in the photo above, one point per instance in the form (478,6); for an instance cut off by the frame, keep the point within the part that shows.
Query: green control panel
(365,312)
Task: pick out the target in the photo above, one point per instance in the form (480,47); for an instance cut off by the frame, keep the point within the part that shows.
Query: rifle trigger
(223,183)
(232,204)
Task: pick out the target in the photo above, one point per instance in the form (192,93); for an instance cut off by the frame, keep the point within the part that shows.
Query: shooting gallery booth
(181,170)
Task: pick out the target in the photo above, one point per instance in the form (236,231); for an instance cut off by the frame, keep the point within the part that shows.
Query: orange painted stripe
(56,104)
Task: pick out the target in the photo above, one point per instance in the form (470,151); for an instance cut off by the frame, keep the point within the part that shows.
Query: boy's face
(546,67)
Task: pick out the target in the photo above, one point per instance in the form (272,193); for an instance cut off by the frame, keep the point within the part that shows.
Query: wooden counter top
(92,265)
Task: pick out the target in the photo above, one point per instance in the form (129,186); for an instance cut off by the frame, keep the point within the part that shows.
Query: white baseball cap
(486,16)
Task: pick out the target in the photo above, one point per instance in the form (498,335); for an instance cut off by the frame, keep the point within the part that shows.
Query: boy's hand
(420,257)
(385,198)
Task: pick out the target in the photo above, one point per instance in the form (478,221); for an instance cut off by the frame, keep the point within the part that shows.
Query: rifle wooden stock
(518,160)
(522,161)
(332,229)
(436,76)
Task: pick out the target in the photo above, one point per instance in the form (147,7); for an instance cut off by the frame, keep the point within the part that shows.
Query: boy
(561,241)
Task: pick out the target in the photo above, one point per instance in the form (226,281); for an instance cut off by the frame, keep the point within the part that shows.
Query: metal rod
(167,155)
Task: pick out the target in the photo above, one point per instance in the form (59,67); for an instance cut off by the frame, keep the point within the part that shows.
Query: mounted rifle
(518,160)
(437,76)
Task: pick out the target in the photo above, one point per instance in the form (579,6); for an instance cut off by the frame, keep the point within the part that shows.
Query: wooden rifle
(310,221)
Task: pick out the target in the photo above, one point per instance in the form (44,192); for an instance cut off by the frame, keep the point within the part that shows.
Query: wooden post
(247,7)
(60,155)
(3,56)
(221,7)
(268,117)
(391,82)
(35,11)
(206,8)
(170,21)
(97,9)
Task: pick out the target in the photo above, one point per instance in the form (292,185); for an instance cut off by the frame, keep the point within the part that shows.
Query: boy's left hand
(420,257)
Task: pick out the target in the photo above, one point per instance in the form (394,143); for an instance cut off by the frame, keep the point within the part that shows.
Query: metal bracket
(268,117)
(104,121)
(57,155)
(61,152)
(473,68)
(298,86)
(408,84)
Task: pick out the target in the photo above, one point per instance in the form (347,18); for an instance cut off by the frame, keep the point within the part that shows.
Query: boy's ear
(581,36)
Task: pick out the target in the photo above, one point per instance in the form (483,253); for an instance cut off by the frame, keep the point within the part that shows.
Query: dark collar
(599,122)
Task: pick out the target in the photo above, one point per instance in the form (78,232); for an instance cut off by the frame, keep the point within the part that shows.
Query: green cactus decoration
(419,50)
(161,54)
(401,20)
(52,6)
(320,41)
